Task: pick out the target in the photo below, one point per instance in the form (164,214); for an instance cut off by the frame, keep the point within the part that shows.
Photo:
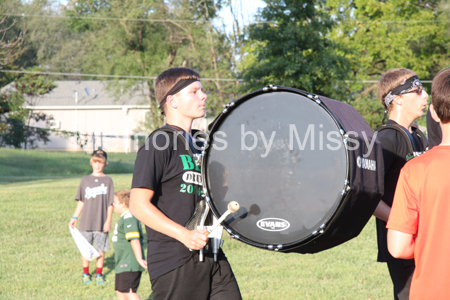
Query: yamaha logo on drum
(273,224)
(367,164)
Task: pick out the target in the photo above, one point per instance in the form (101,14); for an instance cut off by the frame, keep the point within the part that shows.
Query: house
(102,118)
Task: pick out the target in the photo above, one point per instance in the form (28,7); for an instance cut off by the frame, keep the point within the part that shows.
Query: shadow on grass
(19,165)
(18,179)
(110,264)
(150,297)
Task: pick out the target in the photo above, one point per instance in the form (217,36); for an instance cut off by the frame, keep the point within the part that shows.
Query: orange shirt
(422,207)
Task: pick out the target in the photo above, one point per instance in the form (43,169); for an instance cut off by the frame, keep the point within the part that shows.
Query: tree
(143,38)
(290,47)
(21,99)
(10,40)
(7,47)
(388,34)
(12,132)
(11,44)
(33,86)
(37,34)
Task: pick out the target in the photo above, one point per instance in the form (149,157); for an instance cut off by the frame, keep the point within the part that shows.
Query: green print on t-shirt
(188,164)
(189,188)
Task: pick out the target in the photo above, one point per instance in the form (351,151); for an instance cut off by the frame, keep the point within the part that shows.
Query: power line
(107,76)
(376,81)
(405,21)
(154,77)
(100,18)
(115,19)
(201,21)
(77,74)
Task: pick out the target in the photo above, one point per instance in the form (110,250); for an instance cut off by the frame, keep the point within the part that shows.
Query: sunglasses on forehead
(418,91)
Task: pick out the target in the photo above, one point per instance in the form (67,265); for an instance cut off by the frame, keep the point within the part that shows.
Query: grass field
(19,165)
(39,260)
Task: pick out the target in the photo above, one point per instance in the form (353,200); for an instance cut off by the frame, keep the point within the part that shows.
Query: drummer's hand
(195,239)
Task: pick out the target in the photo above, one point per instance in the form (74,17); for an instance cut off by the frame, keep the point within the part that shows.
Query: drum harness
(409,138)
(202,218)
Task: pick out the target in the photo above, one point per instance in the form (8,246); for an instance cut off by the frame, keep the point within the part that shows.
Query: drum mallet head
(232,207)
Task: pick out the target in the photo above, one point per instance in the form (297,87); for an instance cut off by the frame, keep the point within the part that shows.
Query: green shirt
(127,228)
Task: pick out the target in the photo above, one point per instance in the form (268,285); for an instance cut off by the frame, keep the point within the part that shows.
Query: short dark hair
(167,79)
(440,95)
(100,152)
(124,197)
(390,80)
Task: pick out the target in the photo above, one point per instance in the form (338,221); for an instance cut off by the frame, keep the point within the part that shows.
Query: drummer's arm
(382,211)
(400,244)
(147,213)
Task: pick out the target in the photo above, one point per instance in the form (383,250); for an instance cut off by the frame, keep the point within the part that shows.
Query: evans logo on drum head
(273,224)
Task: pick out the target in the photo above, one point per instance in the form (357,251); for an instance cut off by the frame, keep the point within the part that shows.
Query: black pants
(401,271)
(208,280)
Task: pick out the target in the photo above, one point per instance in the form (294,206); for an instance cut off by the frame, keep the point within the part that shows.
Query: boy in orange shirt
(418,222)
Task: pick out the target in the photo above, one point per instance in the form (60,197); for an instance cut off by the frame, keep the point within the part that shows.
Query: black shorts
(401,271)
(128,280)
(198,280)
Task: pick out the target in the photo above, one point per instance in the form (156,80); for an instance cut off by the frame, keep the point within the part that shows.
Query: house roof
(90,93)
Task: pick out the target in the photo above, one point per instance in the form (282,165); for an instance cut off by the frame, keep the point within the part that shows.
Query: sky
(246,8)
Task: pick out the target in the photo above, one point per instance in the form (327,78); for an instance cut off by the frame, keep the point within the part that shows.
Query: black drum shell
(365,186)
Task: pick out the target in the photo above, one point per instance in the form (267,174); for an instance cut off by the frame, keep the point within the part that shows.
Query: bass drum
(306,170)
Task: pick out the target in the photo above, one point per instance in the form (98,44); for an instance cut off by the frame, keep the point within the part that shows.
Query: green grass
(19,165)
(39,259)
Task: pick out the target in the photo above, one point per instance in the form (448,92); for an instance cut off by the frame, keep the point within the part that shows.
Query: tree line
(333,48)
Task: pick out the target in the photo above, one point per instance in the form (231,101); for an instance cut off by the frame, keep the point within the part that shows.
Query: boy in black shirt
(434,131)
(403,96)
(165,187)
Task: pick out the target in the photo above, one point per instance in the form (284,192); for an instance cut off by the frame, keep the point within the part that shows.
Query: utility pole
(76,121)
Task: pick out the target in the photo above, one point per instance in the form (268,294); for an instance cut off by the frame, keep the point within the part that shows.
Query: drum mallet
(233,207)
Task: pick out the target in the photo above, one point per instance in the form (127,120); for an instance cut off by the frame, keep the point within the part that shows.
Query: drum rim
(219,120)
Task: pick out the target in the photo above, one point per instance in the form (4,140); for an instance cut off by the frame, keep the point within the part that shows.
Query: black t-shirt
(395,148)
(434,131)
(166,167)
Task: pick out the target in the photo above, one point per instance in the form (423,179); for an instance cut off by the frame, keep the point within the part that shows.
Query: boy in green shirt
(128,251)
